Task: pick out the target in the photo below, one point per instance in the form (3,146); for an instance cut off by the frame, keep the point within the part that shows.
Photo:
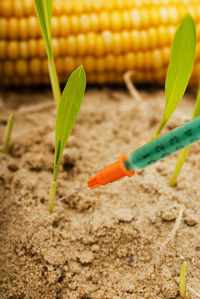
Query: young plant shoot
(44,12)
(7,135)
(68,109)
(180,68)
(183,155)
(182,282)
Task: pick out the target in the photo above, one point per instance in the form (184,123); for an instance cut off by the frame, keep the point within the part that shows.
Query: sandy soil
(105,243)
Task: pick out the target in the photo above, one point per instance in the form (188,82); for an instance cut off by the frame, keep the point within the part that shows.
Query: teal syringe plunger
(146,155)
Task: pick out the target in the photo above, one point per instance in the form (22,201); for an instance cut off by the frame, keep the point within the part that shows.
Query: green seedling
(180,68)
(183,155)
(44,12)
(182,282)
(68,104)
(68,109)
(6,140)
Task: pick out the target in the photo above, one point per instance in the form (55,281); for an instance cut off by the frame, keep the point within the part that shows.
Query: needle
(74,192)
(146,155)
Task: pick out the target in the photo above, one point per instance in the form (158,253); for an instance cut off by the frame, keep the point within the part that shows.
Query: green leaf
(181,64)
(197,105)
(180,68)
(68,109)
(44,11)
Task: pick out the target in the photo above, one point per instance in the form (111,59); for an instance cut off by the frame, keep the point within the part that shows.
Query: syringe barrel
(164,146)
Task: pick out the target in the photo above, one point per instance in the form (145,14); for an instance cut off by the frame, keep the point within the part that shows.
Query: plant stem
(54,81)
(179,164)
(7,135)
(53,189)
(182,283)
(52,196)
(158,131)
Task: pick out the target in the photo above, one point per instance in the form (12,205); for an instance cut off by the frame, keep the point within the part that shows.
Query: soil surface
(110,242)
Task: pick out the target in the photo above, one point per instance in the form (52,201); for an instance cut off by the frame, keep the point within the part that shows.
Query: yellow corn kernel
(154,16)
(6,8)
(110,61)
(74,24)
(117,45)
(13,49)
(13,26)
(135,40)
(157,59)
(33,26)
(145,18)
(8,68)
(104,20)
(198,51)
(71,44)
(18,8)
(21,68)
(119,66)
(171,32)
(64,26)
(144,40)
(81,44)
(32,47)
(59,64)
(129,61)
(136,18)
(107,39)
(55,46)
(116,21)
(29,7)
(152,37)
(126,19)
(162,34)
(41,48)
(126,41)
(3,53)
(95,22)
(55,28)
(173,15)
(35,66)
(89,64)
(166,54)
(23,28)
(100,64)
(85,24)
(99,46)
(44,67)
(3,28)
(23,49)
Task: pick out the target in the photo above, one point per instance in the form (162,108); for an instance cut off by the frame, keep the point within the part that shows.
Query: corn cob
(109,37)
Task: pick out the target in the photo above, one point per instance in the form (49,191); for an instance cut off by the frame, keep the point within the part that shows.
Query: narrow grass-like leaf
(44,10)
(183,155)
(181,64)
(182,283)
(7,135)
(48,12)
(68,109)
(67,113)
(180,68)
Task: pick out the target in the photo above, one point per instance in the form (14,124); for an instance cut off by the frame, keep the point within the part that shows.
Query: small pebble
(124,215)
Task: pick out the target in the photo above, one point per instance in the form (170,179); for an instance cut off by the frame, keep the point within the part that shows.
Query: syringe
(146,155)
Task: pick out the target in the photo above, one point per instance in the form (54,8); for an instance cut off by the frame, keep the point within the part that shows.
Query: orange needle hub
(111,173)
